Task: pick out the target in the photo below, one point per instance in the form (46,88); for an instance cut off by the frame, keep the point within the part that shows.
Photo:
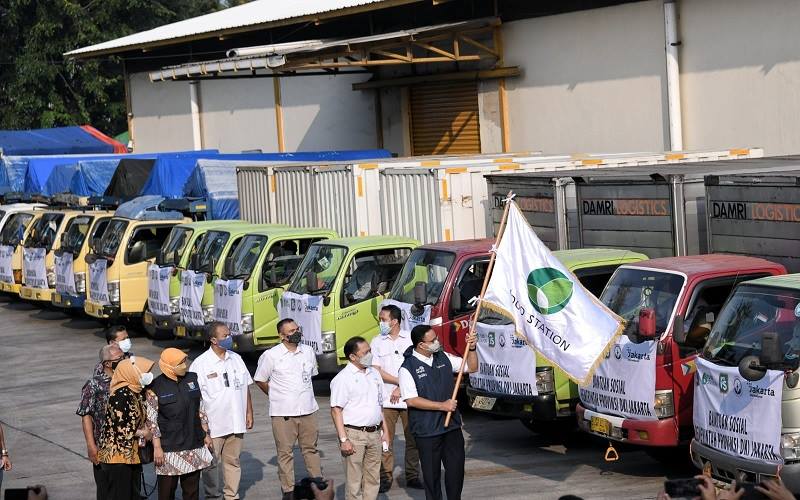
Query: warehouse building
(466,76)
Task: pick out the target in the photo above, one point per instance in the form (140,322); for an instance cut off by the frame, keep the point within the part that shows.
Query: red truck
(642,392)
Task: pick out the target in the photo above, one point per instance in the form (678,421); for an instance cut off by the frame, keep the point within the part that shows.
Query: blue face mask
(226,343)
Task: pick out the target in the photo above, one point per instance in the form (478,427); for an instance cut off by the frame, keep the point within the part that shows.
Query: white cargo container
(427,199)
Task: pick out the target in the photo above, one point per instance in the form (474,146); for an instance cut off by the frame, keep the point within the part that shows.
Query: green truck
(337,290)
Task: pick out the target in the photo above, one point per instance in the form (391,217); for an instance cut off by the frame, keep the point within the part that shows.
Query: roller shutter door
(444,118)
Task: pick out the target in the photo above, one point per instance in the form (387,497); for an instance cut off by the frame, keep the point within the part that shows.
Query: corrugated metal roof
(242,17)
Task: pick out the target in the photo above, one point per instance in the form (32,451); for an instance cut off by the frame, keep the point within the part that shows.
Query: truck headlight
(544,379)
(328,341)
(790,446)
(247,323)
(80,282)
(51,277)
(208,314)
(664,406)
(174,305)
(113,292)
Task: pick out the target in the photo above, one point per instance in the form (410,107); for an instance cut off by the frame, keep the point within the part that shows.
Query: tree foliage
(39,88)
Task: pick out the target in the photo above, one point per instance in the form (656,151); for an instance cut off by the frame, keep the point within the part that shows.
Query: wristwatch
(3,452)
(343,439)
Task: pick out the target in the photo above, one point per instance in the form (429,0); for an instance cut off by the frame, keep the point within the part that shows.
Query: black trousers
(100,480)
(190,486)
(124,481)
(445,449)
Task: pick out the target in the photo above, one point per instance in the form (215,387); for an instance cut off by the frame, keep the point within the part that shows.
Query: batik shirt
(125,414)
(94,397)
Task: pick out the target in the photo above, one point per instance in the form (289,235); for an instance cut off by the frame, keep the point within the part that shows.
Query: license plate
(483,403)
(600,426)
(148,319)
(180,331)
(56,298)
(26,293)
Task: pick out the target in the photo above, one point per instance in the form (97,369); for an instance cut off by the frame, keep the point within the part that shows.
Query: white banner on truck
(306,311)
(33,269)
(192,287)
(507,364)
(98,282)
(6,270)
(736,416)
(65,277)
(625,382)
(158,289)
(410,320)
(228,304)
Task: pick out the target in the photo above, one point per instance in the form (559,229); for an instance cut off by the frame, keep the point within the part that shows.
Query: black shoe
(415,484)
(385,486)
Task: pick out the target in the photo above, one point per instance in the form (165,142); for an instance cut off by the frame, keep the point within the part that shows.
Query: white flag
(561,320)
(6,257)
(306,311)
(228,304)
(158,289)
(98,282)
(34,273)
(65,277)
(192,287)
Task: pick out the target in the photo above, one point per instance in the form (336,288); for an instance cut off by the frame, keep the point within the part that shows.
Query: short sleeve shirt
(408,385)
(223,383)
(359,394)
(94,397)
(291,393)
(388,354)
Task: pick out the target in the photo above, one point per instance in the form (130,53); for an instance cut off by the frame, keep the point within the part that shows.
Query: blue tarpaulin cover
(53,141)
(40,167)
(92,177)
(60,179)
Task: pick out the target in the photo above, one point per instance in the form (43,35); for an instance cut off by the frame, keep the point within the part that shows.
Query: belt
(367,428)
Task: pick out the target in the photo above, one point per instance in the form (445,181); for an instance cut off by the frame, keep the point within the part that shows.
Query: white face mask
(366,360)
(434,346)
(384,328)
(125,345)
(146,379)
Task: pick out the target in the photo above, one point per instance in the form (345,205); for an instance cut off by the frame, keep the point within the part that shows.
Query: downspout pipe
(197,132)
(673,75)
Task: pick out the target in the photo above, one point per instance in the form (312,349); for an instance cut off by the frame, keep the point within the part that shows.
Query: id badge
(306,378)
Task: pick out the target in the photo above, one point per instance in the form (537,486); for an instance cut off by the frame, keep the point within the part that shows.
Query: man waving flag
(550,308)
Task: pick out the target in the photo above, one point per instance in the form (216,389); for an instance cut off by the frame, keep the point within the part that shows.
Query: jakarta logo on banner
(6,271)
(98,282)
(625,382)
(410,320)
(192,287)
(158,289)
(507,364)
(736,416)
(228,304)
(306,311)
(65,277)
(33,267)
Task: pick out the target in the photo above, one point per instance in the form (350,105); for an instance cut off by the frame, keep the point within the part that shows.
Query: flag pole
(477,312)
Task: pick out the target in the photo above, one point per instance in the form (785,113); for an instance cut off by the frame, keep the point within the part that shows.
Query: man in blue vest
(426,386)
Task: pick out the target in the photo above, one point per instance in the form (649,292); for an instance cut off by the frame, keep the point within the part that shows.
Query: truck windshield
(751,311)
(43,232)
(322,263)
(209,251)
(112,238)
(427,266)
(631,290)
(245,257)
(76,232)
(172,251)
(14,229)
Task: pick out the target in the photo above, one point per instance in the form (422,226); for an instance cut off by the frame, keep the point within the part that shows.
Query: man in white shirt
(225,385)
(426,385)
(356,409)
(388,349)
(284,374)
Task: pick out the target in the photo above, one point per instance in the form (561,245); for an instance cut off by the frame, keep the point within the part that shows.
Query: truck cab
(641,393)
(556,395)
(163,309)
(350,277)
(204,266)
(118,264)
(15,232)
(261,264)
(748,373)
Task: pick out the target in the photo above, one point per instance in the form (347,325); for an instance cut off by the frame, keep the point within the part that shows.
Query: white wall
(161,115)
(238,115)
(592,80)
(740,74)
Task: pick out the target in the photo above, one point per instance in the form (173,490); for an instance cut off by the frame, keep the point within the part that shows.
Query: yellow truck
(14,232)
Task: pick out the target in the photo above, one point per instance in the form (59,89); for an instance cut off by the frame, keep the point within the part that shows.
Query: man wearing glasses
(284,374)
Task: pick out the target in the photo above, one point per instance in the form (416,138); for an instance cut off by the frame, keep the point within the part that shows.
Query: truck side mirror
(137,252)
(62,238)
(455,299)
(751,369)
(228,268)
(678,333)
(647,323)
(311,282)
(771,354)
(374,283)
(95,244)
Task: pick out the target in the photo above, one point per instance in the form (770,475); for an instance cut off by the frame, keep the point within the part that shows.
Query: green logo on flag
(549,290)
